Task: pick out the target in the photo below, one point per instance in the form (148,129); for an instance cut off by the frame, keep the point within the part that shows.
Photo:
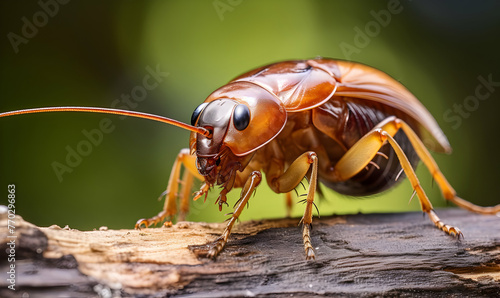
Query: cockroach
(346,125)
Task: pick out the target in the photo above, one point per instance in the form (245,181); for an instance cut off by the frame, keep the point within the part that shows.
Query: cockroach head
(242,117)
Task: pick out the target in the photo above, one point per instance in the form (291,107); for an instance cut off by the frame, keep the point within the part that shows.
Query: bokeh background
(91,53)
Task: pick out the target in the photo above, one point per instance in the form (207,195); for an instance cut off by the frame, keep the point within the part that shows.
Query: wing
(361,81)
(305,84)
(300,85)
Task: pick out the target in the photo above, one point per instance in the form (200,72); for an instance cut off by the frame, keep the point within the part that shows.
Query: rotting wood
(357,254)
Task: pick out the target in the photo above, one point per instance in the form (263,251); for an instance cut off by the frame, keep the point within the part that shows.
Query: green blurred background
(89,53)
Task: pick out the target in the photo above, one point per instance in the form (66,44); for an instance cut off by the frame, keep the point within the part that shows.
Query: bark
(371,255)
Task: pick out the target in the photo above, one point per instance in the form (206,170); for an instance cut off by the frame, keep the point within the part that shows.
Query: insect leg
(289,204)
(359,155)
(446,189)
(172,193)
(218,245)
(363,151)
(288,180)
(424,201)
(185,194)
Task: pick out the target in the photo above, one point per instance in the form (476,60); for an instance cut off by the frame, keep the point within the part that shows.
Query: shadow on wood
(389,254)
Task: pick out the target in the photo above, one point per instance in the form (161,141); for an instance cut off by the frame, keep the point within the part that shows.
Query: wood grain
(364,254)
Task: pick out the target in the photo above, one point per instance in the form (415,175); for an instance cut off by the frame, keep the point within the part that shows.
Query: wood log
(363,254)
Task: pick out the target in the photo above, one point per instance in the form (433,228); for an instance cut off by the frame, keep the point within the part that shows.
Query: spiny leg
(218,245)
(307,217)
(288,180)
(185,194)
(360,155)
(424,201)
(184,158)
(446,189)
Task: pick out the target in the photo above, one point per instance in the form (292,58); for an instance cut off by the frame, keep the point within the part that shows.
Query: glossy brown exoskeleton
(347,125)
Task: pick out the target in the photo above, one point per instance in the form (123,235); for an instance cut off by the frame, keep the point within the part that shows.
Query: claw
(147,222)
(141,222)
(450,230)
(203,191)
(215,248)
(310,255)
(212,253)
(210,250)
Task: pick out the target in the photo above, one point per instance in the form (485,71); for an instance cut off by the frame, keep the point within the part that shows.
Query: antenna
(153,117)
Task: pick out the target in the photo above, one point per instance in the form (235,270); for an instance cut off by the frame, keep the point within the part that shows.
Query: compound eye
(241,117)
(197,112)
